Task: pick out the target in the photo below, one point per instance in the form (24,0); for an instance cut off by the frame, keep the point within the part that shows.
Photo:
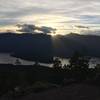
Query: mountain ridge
(42,47)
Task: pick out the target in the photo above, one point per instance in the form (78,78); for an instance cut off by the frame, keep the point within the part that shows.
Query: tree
(17,62)
(79,65)
(57,63)
(36,63)
(65,66)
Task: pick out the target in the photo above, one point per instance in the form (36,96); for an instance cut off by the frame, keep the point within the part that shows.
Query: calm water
(7,59)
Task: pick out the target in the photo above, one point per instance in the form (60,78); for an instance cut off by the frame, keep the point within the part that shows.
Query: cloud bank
(71,12)
(29,28)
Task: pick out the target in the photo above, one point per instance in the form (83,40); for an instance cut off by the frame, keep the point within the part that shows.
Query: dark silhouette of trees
(17,62)
(65,66)
(36,63)
(57,63)
(79,65)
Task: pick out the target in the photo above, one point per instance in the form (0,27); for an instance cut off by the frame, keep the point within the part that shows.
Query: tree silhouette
(65,66)
(57,63)
(17,62)
(79,65)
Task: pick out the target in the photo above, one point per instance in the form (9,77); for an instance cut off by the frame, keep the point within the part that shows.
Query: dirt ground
(72,92)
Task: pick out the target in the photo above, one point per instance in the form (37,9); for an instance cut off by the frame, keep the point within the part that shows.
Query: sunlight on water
(7,59)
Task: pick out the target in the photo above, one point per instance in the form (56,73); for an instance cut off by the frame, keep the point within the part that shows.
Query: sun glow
(60,23)
(54,21)
(10,28)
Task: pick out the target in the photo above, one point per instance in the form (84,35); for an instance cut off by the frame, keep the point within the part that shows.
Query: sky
(80,16)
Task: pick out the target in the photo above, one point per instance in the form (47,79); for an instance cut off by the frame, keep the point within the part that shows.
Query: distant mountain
(88,45)
(41,47)
(37,47)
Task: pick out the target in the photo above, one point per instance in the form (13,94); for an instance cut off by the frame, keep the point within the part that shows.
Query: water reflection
(5,58)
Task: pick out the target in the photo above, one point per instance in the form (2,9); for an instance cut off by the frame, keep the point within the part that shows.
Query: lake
(5,58)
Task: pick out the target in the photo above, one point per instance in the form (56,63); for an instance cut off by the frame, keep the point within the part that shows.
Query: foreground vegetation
(20,80)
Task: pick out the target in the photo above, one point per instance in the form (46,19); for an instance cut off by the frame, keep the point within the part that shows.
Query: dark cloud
(82,27)
(46,30)
(29,28)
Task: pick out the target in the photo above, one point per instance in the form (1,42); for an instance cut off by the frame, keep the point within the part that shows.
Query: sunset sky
(81,16)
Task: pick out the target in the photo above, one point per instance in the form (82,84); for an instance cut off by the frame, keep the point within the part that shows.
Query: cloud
(91,19)
(81,27)
(26,28)
(84,12)
(7,21)
(46,29)
(29,28)
(91,32)
(16,9)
